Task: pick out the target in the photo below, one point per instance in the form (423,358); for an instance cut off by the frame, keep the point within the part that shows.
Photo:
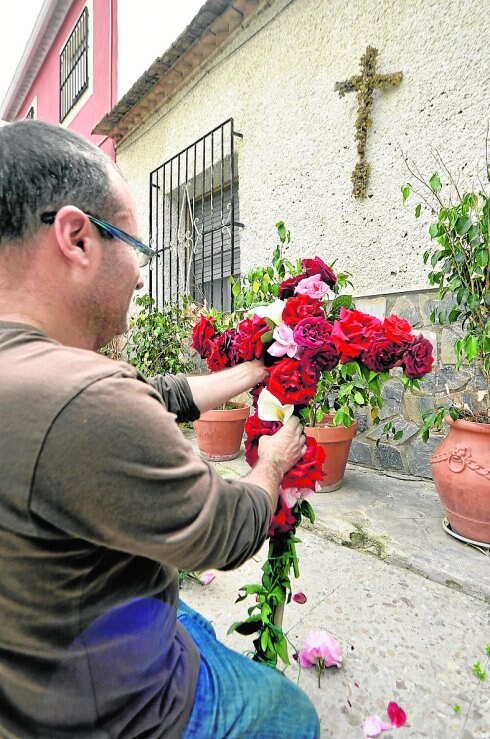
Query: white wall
(298,150)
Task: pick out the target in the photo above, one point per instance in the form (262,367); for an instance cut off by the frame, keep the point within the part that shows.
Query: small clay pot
(336,441)
(219,433)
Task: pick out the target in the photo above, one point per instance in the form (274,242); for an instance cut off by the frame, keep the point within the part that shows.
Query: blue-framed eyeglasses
(107,230)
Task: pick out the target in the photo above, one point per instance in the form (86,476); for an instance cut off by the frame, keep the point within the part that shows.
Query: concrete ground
(409,604)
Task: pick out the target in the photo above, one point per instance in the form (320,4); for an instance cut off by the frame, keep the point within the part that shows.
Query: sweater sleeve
(116,470)
(177,395)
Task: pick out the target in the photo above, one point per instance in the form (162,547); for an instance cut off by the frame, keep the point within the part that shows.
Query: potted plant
(219,432)
(459,267)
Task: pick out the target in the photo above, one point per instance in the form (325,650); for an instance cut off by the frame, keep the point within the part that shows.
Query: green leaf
(435,182)
(417,210)
(433,230)
(471,347)
(281,647)
(481,257)
(247,627)
(462,225)
(406,190)
(265,338)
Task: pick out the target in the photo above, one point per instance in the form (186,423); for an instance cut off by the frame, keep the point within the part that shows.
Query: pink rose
(284,342)
(321,649)
(312,286)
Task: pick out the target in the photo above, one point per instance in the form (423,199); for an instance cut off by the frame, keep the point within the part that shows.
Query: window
(194,222)
(31,113)
(74,66)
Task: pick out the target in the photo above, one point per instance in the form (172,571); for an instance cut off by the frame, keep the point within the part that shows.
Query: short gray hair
(42,168)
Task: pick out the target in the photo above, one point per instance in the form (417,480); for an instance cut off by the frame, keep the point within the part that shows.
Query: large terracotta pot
(461,472)
(219,432)
(336,441)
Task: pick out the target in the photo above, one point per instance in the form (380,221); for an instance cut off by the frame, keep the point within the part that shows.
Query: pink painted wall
(104,83)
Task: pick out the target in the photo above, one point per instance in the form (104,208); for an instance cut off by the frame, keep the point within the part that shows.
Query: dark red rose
(417,360)
(312,332)
(202,334)
(382,353)
(217,358)
(248,342)
(318,361)
(398,330)
(317,266)
(291,382)
(308,470)
(282,521)
(255,392)
(287,287)
(299,307)
(351,334)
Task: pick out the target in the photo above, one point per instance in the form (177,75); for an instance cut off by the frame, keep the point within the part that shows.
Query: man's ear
(74,235)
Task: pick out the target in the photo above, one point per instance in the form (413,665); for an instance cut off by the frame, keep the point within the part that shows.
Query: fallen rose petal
(396,714)
(207,577)
(373,726)
(299,598)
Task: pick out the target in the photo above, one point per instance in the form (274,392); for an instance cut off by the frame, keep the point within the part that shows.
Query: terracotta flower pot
(461,472)
(336,441)
(219,432)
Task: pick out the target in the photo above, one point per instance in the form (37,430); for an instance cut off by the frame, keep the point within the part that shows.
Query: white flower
(272,310)
(269,408)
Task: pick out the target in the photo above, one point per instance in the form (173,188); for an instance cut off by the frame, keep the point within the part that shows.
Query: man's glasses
(145,253)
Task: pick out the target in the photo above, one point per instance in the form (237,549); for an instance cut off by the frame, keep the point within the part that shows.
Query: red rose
(398,330)
(299,307)
(418,360)
(318,361)
(312,332)
(317,266)
(282,521)
(254,429)
(202,334)
(308,470)
(291,382)
(286,288)
(382,354)
(351,334)
(248,342)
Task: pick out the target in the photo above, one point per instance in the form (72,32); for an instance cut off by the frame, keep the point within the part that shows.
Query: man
(101,497)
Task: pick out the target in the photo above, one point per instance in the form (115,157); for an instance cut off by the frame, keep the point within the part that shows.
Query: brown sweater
(102,500)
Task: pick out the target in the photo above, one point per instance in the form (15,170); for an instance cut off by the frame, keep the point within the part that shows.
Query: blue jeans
(239,698)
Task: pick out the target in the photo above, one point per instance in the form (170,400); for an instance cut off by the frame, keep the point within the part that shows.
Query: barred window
(30,113)
(74,66)
(194,222)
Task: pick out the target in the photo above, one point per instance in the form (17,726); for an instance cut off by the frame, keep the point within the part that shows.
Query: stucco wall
(276,79)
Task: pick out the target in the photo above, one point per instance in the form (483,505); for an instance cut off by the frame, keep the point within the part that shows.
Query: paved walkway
(409,604)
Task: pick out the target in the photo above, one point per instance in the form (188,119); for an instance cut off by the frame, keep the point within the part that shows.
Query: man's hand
(285,448)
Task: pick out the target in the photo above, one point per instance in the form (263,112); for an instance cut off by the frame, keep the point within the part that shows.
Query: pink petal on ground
(304,658)
(320,645)
(373,726)
(207,577)
(299,598)
(396,714)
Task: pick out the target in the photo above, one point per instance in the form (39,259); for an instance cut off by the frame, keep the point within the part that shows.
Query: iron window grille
(30,113)
(194,222)
(74,66)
